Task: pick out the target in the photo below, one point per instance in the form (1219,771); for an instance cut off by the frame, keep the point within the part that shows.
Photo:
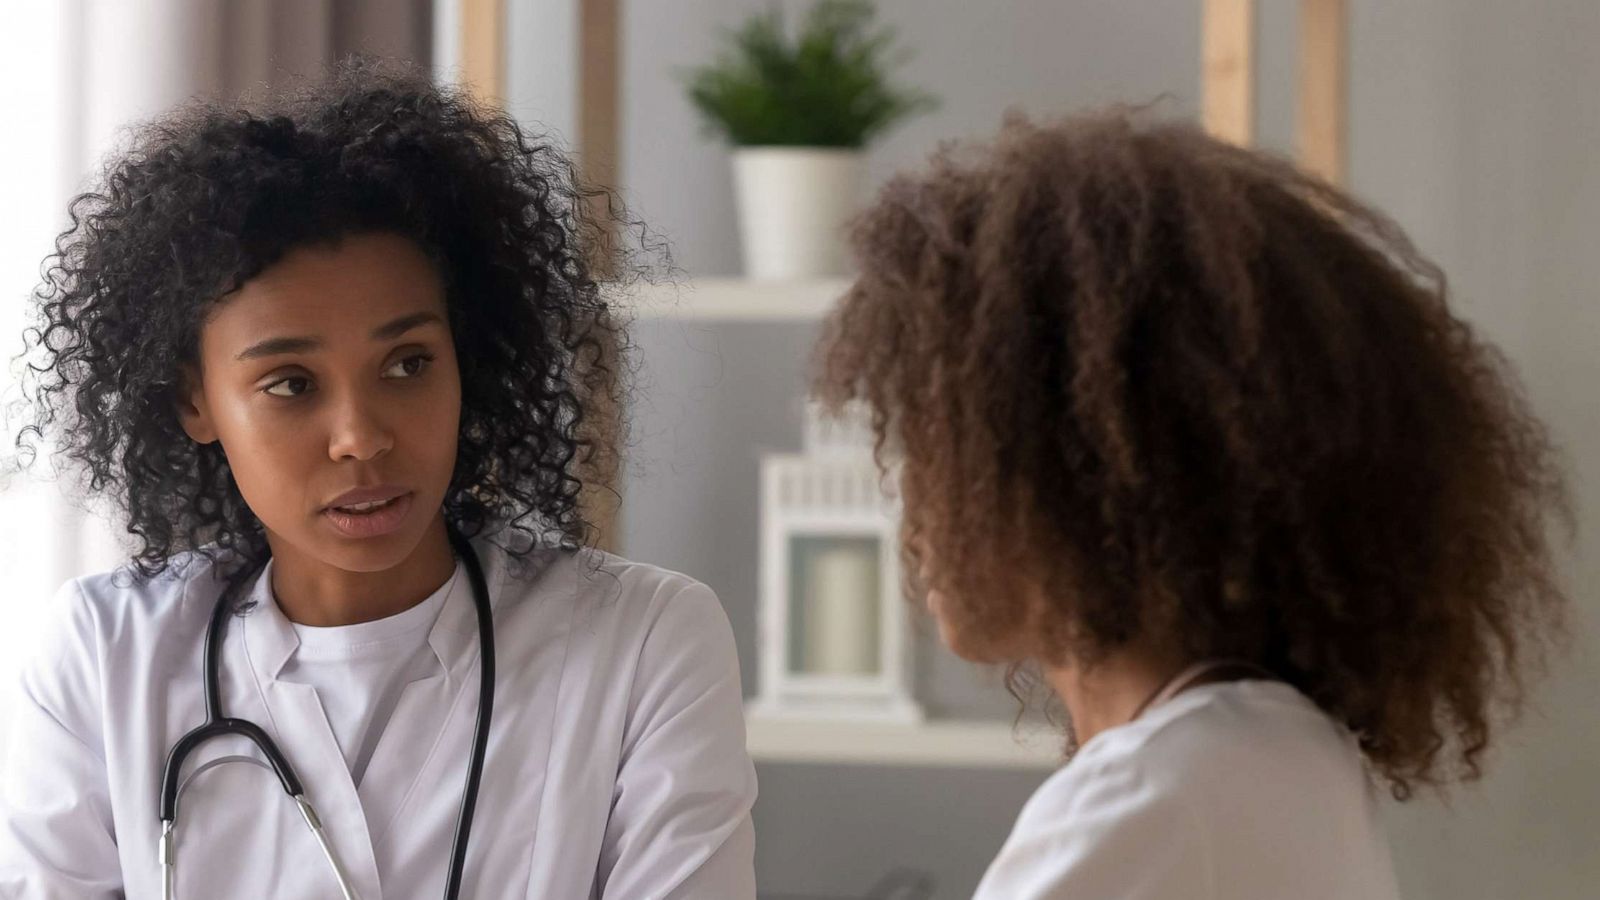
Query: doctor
(333,359)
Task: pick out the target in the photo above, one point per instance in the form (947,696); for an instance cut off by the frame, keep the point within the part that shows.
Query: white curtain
(43,536)
(74,74)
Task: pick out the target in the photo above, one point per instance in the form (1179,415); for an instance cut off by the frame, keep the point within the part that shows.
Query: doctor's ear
(193,413)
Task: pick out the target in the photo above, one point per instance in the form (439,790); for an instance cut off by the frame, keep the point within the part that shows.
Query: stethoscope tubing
(218,724)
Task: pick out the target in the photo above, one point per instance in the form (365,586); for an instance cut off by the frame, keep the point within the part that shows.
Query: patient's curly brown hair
(1145,385)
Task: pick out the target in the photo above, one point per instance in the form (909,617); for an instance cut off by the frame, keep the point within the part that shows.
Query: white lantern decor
(833,624)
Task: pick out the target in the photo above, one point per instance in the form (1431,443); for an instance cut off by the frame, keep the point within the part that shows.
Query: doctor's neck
(1114,690)
(313,591)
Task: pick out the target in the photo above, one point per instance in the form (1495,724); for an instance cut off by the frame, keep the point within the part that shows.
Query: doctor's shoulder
(652,636)
(124,602)
(104,628)
(627,601)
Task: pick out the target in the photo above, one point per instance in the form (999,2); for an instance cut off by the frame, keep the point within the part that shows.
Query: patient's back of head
(1155,399)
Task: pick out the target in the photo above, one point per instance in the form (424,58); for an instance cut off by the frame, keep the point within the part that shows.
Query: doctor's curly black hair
(210,195)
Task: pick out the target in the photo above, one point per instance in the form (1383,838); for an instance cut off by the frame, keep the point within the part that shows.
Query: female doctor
(334,359)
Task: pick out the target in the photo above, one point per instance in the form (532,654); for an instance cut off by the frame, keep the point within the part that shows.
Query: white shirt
(1239,790)
(616,765)
(359,671)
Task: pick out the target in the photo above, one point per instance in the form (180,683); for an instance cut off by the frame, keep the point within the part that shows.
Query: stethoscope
(218,723)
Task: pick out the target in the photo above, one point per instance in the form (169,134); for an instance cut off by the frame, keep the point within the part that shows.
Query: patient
(1197,439)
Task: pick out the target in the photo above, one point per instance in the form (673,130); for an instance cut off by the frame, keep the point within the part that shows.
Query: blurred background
(1473,123)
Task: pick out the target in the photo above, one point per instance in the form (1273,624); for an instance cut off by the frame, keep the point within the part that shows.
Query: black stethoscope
(218,723)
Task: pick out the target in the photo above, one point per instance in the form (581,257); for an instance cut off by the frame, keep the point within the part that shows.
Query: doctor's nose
(357,433)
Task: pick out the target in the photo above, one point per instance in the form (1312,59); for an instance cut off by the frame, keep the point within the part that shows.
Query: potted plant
(799,112)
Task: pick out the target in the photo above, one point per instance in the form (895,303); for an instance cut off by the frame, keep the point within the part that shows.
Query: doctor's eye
(292,386)
(409,367)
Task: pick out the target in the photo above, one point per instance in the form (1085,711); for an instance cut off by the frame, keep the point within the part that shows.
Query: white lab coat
(616,767)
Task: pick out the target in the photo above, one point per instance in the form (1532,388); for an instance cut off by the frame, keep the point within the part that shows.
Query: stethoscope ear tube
(480,732)
(242,727)
(217,723)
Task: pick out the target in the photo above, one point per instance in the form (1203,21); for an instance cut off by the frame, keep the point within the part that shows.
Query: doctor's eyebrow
(285,345)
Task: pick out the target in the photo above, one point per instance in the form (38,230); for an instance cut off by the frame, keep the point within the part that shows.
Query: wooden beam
(1320,115)
(598,79)
(1227,69)
(483,66)
(599,36)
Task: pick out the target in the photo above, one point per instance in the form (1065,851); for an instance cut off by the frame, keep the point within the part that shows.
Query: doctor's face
(330,380)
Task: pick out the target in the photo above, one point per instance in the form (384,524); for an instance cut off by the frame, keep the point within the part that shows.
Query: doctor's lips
(369,511)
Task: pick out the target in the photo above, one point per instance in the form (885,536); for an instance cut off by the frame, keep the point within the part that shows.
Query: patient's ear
(193,413)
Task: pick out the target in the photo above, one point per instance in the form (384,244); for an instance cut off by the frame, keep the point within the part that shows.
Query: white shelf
(737,299)
(947,744)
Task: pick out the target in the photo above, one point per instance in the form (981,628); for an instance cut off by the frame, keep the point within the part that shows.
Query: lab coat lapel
(533,626)
(426,709)
(295,719)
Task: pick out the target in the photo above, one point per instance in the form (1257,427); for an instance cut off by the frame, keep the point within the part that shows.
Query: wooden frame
(599,70)
(599,76)
(483,71)
(1227,69)
(1227,82)
(1322,88)
(483,63)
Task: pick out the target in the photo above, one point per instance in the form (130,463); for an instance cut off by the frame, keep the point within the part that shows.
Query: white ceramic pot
(793,205)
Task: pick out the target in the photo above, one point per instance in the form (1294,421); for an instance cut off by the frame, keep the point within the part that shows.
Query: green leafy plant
(828,87)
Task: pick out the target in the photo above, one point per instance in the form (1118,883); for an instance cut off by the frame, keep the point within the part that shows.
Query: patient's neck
(1114,689)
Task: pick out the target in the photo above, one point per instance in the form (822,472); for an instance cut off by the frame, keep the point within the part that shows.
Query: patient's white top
(1242,790)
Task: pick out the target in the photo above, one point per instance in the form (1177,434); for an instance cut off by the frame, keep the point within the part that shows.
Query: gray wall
(1473,123)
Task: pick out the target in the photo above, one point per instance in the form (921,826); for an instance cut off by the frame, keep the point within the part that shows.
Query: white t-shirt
(1239,790)
(359,671)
